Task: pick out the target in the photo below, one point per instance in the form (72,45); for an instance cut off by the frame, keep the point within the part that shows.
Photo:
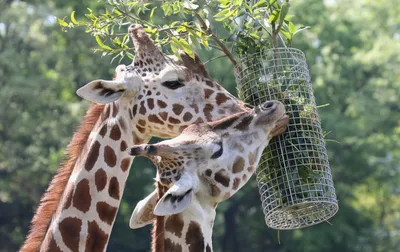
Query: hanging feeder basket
(293,176)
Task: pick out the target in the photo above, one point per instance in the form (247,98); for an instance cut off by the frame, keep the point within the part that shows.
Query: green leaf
(292,28)
(302,28)
(73,18)
(254,35)
(98,39)
(274,16)
(284,11)
(259,3)
(186,47)
(221,13)
(286,34)
(62,22)
(152,11)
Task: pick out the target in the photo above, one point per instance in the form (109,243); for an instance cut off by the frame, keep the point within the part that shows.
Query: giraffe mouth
(280,126)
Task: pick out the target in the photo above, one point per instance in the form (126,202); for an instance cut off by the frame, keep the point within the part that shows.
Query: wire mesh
(294,178)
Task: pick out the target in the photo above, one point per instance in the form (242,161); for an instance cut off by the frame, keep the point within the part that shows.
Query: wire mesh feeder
(294,178)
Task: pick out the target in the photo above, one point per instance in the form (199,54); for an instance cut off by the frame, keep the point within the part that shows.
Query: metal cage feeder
(294,178)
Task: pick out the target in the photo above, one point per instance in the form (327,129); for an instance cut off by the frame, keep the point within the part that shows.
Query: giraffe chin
(280,126)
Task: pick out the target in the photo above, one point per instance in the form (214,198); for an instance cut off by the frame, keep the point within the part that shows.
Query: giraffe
(157,95)
(206,164)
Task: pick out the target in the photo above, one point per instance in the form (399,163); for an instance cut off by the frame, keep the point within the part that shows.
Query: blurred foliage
(353,53)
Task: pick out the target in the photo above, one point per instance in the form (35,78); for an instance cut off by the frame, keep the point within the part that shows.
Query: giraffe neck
(90,200)
(190,230)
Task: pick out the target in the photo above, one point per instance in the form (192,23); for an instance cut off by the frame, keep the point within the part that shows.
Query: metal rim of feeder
(294,178)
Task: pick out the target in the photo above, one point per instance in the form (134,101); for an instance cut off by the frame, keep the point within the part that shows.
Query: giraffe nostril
(151,149)
(268,104)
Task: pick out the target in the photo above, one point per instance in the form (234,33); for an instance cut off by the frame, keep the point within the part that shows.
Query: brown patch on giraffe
(177,108)
(115,109)
(69,194)
(208,248)
(70,229)
(100,179)
(161,104)
(244,124)
(155,119)
(130,113)
(169,246)
(123,146)
(222,177)
(208,93)
(208,108)
(209,83)
(195,238)
(174,120)
(252,157)
(109,156)
(142,109)
(134,110)
(53,245)
(150,103)
(103,130)
(141,129)
(221,98)
(215,191)
(51,199)
(93,155)
(106,114)
(163,115)
(250,169)
(115,133)
(125,163)
(236,183)
(82,198)
(97,239)
(174,224)
(113,188)
(208,172)
(142,122)
(195,107)
(106,212)
(244,178)
(187,116)
(181,128)
(238,165)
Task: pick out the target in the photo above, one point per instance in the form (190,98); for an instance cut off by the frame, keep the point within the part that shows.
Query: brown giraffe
(157,95)
(206,164)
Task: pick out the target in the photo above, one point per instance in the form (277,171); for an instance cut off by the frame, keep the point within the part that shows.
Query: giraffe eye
(219,152)
(172,84)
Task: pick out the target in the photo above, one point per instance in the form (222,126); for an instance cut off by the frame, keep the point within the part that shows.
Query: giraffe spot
(134,110)
(224,124)
(158,93)
(93,155)
(238,165)
(109,156)
(250,169)
(174,120)
(113,188)
(140,97)
(53,245)
(70,229)
(115,133)
(222,177)
(208,172)
(155,119)
(106,212)
(69,192)
(187,117)
(142,122)
(103,130)
(82,199)
(252,157)
(174,224)
(115,109)
(148,92)
(170,246)
(123,146)
(215,191)
(106,113)
(208,248)
(161,104)
(244,178)
(244,124)
(130,113)
(150,103)
(142,109)
(194,237)
(208,92)
(141,129)
(177,108)
(221,111)
(100,179)
(195,107)
(208,108)
(125,164)
(236,183)
(97,239)
(181,128)
(163,115)
(221,98)
(209,83)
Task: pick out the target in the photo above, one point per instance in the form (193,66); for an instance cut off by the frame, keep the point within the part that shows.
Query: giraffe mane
(50,200)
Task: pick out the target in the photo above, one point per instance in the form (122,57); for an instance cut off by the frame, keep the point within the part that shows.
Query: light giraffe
(155,96)
(206,164)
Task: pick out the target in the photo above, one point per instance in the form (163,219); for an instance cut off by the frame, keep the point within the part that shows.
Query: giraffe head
(163,94)
(208,162)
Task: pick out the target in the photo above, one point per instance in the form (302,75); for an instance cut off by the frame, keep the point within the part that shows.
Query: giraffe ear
(178,197)
(143,213)
(102,91)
